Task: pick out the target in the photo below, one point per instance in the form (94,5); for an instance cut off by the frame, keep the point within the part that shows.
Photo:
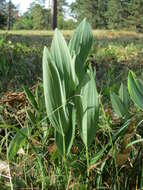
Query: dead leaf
(52,148)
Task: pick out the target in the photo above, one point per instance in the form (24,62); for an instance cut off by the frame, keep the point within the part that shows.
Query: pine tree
(101,16)
(62,8)
(125,13)
(41,17)
(3,17)
(9,15)
(135,19)
(114,14)
(54,14)
(93,10)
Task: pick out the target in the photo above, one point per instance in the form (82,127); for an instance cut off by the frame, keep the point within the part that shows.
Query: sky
(23,5)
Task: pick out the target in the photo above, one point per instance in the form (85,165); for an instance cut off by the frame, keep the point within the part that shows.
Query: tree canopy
(110,14)
(102,14)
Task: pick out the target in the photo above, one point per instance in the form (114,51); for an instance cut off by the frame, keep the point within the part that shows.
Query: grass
(97,33)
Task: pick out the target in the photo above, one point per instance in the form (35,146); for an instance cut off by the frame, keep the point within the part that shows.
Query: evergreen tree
(125,13)
(11,14)
(102,10)
(40,16)
(54,14)
(114,14)
(135,19)
(3,17)
(62,9)
(94,10)
(58,12)
(87,8)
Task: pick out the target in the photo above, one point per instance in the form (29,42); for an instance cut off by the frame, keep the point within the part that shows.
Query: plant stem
(64,157)
(66,168)
(87,159)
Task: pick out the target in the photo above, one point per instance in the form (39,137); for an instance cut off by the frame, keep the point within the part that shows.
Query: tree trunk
(54,14)
(9,16)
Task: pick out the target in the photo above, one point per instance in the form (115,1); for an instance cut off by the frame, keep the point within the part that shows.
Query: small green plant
(120,103)
(135,88)
(70,91)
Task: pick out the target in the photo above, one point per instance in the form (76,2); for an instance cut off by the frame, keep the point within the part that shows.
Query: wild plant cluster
(75,111)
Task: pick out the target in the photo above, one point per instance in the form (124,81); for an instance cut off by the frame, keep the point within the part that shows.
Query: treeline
(102,14)
(36,18)
(110,14)
(8,13)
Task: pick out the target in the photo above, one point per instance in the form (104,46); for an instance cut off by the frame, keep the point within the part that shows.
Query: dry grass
(97,33)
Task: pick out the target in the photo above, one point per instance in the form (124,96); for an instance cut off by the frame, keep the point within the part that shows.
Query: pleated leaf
(118,105)
(64,142)
(64,63)
(135,90)
(140,86)
(88,109)
(80,45)
(124,95)
(54,92)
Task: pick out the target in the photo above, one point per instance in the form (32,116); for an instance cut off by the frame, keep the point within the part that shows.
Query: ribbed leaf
(17,142)
(55,97)
(140,86)
(117,105)
(134,90)
(64,63)
(80,45)
(61,80)
(64,142)
(124,95)
(88,110)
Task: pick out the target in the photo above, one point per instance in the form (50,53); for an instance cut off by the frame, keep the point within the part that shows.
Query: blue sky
(24,4)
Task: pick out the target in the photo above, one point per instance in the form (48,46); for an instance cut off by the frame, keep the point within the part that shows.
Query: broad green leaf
(117,105)
(30,98)
(88,110)
(55,97)
(64,63)
(134,90)
(60,82)
(124,95)
(64,142)
(140,86)
(80,45)
(17,142)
